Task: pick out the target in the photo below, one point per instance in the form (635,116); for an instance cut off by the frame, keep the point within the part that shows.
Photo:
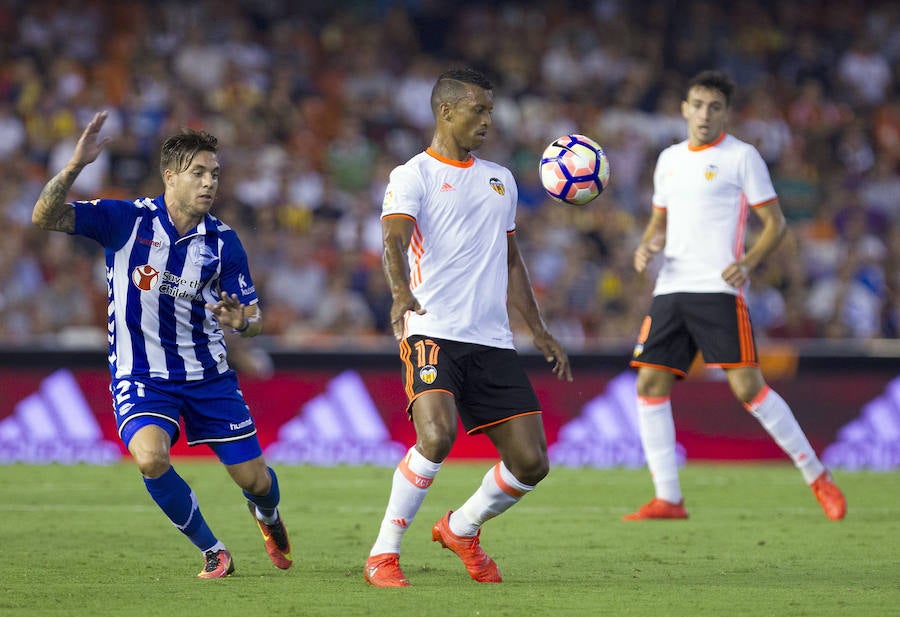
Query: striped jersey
(707,193)
(159,283)
(463,212)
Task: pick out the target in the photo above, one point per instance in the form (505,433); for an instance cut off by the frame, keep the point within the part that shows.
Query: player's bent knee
(258,486)
(152,464)
(531,471)
(434,445)
(252,476)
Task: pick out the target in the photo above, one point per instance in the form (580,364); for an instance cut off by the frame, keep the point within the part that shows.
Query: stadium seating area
(315,102)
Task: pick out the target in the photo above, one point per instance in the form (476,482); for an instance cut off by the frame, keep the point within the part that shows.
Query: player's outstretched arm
(521,297)
(50,210)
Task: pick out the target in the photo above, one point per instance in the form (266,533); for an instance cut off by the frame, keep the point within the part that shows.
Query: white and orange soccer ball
(574,169)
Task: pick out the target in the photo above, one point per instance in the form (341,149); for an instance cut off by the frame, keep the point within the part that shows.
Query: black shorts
(489,384)
(680,324)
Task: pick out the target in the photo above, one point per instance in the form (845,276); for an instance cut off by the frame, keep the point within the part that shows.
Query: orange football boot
(278,546)
(479,566)
(383,570)
(829,496)
(218,564)
(658,509)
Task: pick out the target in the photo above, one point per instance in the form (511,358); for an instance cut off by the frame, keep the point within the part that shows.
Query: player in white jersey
(452,262)
(703,190)
(176,275)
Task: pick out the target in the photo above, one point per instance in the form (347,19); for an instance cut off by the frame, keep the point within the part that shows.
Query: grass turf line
(86,540)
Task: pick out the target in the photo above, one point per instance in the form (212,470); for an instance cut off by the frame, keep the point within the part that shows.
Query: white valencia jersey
(458,252)
(707,193)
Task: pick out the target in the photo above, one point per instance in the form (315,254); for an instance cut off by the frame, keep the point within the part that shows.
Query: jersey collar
(200,230)
(711,144)
(443,159)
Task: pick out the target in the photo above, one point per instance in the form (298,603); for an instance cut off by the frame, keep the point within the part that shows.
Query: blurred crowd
(315,102)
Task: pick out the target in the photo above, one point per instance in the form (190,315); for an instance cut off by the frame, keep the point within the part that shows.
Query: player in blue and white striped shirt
(176,275)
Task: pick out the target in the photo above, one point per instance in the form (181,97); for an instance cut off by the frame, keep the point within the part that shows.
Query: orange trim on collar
(443,159)
(715,142)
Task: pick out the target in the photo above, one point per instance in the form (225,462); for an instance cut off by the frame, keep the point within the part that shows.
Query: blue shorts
(213,411)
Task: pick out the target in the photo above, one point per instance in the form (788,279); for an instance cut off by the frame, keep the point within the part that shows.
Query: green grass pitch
(89,541)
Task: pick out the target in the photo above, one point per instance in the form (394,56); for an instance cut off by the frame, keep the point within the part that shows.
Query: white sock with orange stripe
(499,491)
(777,418)
(658,438)
(412,478)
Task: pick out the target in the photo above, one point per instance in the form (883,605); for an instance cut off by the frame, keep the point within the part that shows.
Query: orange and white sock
(412,479)
(777,418)
(658,438)
(499,491)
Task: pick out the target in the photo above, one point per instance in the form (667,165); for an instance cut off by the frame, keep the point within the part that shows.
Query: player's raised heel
(829,496)
(383,570)
(278,545)
(218,565)
(658,509)
(479,566)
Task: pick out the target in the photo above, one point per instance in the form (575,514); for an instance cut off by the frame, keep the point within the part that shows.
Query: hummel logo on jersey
(446,186)
(55,425)
(339,426)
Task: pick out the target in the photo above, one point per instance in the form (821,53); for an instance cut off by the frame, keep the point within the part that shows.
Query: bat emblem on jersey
(428,373)
(200,253)
(711,172)
(498,186)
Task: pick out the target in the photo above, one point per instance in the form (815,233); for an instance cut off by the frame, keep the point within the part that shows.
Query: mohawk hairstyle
(449,86)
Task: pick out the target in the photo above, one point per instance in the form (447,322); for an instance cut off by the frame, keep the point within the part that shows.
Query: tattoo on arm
(51,211)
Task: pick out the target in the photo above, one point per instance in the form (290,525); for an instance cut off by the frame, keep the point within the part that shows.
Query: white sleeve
(756,182)
(659,197)
(513,189)
(404,193)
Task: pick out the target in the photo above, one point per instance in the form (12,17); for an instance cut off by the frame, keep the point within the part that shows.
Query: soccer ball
(574,169)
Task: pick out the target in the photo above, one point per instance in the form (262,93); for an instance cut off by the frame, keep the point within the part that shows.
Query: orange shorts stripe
(659,367)
(405,353)
(478,429)
(748,350)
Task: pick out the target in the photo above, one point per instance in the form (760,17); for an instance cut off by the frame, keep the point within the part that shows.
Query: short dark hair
(180,149)
(713,80)
(449,86)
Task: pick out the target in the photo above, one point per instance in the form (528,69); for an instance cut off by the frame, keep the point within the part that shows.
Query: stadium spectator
(298,83)
(194,281)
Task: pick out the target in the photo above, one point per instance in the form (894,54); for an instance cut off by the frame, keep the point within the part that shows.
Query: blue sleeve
(235,278)
(108,221)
